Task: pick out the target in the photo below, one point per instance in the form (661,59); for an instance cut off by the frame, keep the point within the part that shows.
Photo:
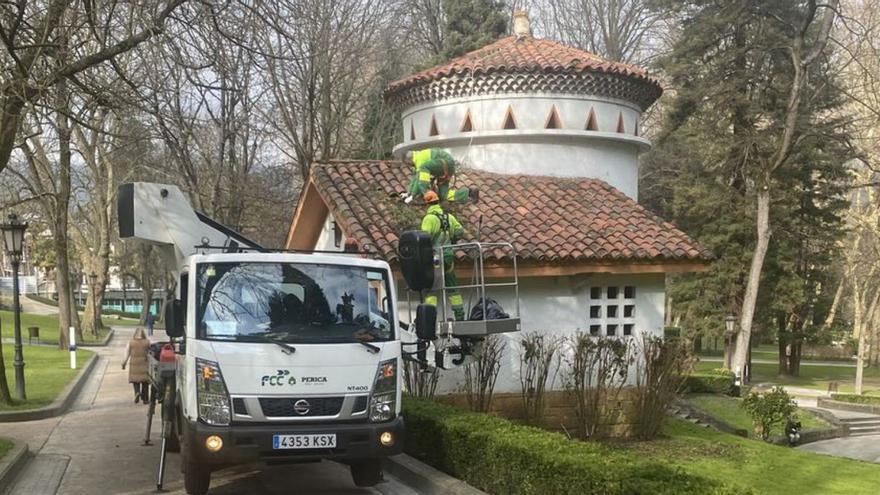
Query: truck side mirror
(174,324)
(416,259)
(426,322)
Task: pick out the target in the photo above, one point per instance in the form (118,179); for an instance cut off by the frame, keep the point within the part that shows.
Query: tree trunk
(5,396)
(857,329)
(794,361)
(751,296)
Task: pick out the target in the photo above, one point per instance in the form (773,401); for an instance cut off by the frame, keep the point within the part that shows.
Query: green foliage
(5,446)
(498,456)
(769,410)
(729,410)
(471,24)
(718,381)
(721,128)
(857,399)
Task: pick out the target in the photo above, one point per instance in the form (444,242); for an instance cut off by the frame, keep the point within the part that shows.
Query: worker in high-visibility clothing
(434,169)
(444,229)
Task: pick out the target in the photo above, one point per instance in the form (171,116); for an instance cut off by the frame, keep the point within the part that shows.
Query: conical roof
(512,55)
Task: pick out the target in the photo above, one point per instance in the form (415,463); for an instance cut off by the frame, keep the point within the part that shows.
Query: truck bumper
(244,443)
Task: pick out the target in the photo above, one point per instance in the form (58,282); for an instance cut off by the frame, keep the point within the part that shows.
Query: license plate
(313,441)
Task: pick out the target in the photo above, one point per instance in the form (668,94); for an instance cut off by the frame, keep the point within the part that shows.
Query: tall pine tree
(471,24)
(732,76)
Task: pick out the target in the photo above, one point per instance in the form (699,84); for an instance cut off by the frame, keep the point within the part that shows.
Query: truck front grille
(274,407)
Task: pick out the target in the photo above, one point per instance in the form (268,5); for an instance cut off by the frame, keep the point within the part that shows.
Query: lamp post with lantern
(729,334)
(13,243)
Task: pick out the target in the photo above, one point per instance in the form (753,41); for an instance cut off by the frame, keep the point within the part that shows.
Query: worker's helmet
(431,197)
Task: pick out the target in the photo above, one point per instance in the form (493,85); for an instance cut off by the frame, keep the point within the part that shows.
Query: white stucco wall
(531,148)
(326,240)
(561,305)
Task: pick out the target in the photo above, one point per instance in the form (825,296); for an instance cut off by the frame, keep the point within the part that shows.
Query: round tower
(523,105)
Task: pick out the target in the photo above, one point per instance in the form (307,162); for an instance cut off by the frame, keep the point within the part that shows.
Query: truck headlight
(383,402)
(213,398)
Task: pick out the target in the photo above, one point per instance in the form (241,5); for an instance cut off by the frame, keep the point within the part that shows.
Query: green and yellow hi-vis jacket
(443,228)
(430,164)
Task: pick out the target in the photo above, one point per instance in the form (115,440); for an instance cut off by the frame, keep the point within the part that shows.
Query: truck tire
(366,472)
(196,478)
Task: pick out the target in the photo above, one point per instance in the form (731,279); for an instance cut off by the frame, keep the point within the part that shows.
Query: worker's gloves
(407,198)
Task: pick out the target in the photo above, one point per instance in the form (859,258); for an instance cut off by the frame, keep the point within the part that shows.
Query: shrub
(539,354)
(420,382)
(857,399)
(480,375)
(597,370)
(718,381)
(498,456)
(662,366)
(769,410)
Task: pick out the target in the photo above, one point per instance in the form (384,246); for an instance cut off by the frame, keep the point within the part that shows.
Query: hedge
(711,383)
(857,399)
(498,456)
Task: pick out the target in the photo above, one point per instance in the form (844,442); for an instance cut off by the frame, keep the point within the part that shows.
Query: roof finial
(521,26)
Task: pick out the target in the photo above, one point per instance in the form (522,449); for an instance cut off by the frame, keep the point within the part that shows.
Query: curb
(102,343)
(11,464)
(847,406)
(426,479)
(61,404)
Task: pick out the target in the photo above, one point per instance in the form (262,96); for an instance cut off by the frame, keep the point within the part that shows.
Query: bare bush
(598,368)
(538,363)
(660,373)
(420,382)
(481,374)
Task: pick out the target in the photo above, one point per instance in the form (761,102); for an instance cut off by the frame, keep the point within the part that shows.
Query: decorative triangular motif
(467,124)
(433,131)
(591,121)
(412,132)
(553,120)
(620,127)
(509,120)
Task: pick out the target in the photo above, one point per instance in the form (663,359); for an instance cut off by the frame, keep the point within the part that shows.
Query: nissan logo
(301,407)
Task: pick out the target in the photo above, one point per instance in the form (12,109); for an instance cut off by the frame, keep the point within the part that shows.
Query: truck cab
(279,357)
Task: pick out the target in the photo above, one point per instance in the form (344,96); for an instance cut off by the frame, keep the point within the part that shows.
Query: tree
(619,30)
(471,24)
(87,34)
(743,106)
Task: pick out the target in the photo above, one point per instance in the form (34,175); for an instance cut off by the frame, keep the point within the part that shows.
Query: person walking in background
(136,351)
(149,320)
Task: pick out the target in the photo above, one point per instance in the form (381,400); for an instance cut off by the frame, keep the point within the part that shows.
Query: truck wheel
(367,472)
(196,478)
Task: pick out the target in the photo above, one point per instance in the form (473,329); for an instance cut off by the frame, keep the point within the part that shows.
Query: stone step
(864,433)
(866,419)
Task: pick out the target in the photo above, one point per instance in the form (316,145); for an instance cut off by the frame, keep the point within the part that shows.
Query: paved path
(865,448)
(804,362)
(96,449)
(28,305)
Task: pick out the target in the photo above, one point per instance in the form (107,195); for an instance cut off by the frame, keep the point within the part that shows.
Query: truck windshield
(295,303)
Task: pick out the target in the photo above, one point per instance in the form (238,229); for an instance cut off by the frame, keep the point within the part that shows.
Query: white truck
(278,357)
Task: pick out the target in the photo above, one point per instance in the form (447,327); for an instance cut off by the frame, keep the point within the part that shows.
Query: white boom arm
(161,214)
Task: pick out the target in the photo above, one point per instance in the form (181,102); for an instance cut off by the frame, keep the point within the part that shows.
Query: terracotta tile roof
(549,220)
(527,54)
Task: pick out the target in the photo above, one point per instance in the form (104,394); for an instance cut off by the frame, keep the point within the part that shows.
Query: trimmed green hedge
(857,399)
(498,456)
(718,381)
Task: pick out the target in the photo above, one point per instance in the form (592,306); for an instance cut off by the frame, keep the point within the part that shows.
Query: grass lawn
(46,372)
(764,468)
(769,353)
(49,326)
(815,377)
(5,445)
(729,410)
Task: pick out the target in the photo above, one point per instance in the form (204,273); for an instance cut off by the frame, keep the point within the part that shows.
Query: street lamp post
(729,333)
(13,242)
(93,277)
